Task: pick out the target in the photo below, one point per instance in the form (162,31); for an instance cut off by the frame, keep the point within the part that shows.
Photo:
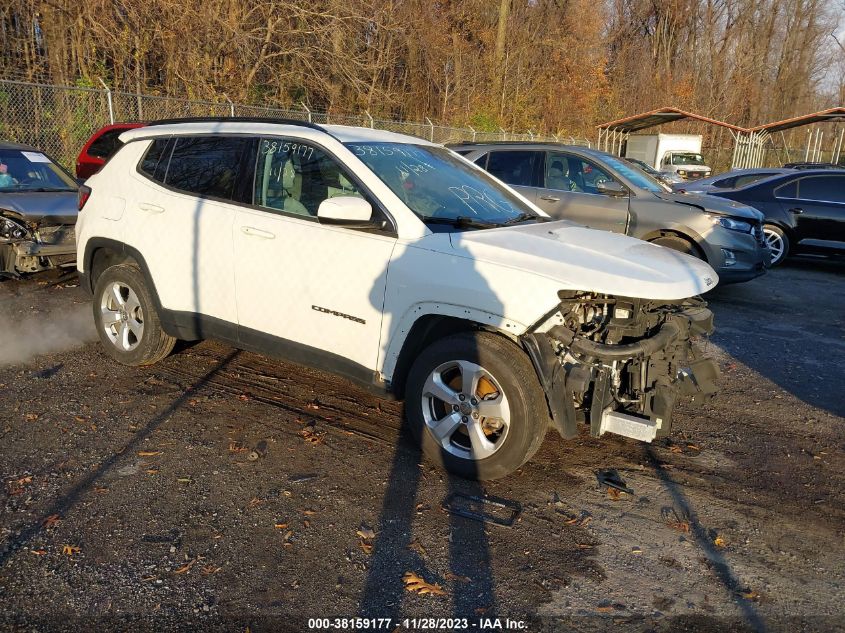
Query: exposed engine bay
(28,247)
(619,364)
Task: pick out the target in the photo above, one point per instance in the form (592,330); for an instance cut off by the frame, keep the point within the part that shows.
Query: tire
(476,446)
(778,242)
(678,243)
(126,318)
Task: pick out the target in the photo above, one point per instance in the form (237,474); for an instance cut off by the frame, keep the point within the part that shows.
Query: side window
(741,181)
(566,172)
(154,162)
(726,183)
(206,165)
(514,167)
(106,144)
(481,161)
(788,190)
(823,188)
(295,177)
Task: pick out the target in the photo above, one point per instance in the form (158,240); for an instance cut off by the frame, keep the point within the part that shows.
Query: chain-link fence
(59,119)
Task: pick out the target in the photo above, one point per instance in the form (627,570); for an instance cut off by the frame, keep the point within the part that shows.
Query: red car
(100,147)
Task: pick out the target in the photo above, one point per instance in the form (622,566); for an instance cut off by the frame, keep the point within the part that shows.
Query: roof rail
(236,119)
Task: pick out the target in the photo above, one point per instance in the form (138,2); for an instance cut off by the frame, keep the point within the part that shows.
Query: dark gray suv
(603,191)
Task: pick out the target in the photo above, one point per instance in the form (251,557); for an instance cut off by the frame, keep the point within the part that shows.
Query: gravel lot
(130,500)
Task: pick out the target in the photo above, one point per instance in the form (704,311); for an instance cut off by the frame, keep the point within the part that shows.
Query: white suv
(398,264)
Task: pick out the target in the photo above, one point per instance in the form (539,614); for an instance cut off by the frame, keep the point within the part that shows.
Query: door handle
(796,210)
(150,208)
(549,198)
(251,230)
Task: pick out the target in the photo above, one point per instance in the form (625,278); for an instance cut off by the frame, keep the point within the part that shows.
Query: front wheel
(126,318)
(677,243)
(475,405)
(778,243)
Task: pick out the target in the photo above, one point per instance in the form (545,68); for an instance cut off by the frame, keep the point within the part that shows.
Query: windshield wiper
(524,217)
(463,221)
(46,189)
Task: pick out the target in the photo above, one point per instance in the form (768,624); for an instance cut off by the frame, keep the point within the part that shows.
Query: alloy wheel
(775,243)
(122,317)
(465,410)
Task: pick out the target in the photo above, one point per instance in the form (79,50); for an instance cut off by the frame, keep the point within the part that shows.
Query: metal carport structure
(614,133)
(814,137)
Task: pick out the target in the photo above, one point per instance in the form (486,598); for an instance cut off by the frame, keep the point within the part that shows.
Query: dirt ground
(130,500)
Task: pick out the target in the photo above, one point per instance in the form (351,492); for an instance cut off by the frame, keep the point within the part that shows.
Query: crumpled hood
(53,207)
(716,205)
(587,259)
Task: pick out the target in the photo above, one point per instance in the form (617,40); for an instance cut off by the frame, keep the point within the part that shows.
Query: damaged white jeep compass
(396,263)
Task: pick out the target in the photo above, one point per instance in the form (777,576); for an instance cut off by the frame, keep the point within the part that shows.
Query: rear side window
(154,162)
(515,167)
(726,183)
(106,144)
(788,190)
(822,188)
(741,181)
(206,165)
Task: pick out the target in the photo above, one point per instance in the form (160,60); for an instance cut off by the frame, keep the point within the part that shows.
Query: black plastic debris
(611,478)
(486,509)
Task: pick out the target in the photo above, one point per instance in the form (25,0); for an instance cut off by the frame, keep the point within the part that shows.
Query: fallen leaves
(187,566)
(750,594)
(311,436)
(416,546)
(210,569)
(461,579)
(719,542)
(148,453)
(52,521)
(416,584)
(31,417)
(70,550)
(366,534)
(675,521)
(236,447)
(39,552)
(280,526)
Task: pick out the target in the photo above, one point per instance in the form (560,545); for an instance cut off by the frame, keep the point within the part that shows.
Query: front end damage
(619,364)
(27,246)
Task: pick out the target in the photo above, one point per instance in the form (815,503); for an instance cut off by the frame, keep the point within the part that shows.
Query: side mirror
(349,211)
(612,188)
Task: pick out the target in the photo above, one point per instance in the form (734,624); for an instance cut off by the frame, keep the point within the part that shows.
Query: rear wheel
(778,243)
(475,405)
(126,318)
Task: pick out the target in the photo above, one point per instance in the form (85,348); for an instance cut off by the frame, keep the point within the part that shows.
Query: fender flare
(508,327)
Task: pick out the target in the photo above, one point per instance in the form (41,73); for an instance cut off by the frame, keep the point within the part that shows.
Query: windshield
(687,158)
(438,185)
(22,170)
(636,175)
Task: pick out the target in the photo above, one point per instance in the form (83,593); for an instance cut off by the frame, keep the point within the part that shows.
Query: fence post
(108,100)
(531,134)
(231,105)
(430,129)
(472,129)
(302,103)
(370,117)
(504,134)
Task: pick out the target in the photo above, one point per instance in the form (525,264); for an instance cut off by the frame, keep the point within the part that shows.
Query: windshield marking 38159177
(440,187)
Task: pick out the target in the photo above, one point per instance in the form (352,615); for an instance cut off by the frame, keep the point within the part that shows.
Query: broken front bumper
(629,388)
(53,246)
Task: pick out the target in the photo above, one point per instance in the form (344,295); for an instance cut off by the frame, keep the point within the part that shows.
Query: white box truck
(675,153)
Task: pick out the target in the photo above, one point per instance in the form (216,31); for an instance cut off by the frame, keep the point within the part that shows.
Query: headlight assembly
(732,223)
(12,230)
